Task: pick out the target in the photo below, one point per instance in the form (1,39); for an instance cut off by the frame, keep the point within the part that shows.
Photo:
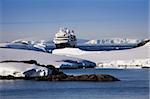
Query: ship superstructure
(65,38)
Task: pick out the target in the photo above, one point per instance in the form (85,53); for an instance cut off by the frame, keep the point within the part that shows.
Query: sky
(90,19)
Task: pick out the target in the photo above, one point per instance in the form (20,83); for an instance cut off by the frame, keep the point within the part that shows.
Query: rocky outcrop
(90,77)
(142,43)
(64,77)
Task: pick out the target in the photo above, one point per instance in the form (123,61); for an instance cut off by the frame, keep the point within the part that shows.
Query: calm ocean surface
(134,84)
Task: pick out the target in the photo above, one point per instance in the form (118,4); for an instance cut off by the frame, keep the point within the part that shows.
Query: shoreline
(64,77)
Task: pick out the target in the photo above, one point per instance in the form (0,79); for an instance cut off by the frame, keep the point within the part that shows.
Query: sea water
(134,84)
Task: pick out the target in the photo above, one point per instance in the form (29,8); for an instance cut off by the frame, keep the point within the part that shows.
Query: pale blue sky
(91,19)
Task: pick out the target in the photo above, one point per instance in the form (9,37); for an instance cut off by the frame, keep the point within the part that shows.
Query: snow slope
(108,56)
(22,70)
(11,62)
(40,57)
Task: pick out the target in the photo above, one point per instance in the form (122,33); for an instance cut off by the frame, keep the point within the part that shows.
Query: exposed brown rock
(64,77)
(92,77)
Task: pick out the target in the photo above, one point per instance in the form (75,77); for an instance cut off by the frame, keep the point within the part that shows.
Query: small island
(54,74)
(64,77)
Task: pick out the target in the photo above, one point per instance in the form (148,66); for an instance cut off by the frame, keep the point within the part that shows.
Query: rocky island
(52,74)
(64,77)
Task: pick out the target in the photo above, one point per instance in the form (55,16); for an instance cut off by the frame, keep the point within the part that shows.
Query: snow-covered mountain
(90,45)
(40,45)
(114,41)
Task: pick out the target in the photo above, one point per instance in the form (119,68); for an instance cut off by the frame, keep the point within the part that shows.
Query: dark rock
(30,73)
(92,77)
(7,77)
(142,43)
(50,66)
(64,77)
(82,77)
(29,62)
(70,78)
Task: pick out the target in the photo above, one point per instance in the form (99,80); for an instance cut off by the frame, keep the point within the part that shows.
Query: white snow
(70,51)
(59,61)
(130,58)
(40,57)
(106,57)
(40,46)
(114,41)
(18,70)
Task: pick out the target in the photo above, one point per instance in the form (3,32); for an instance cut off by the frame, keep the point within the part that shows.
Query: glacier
(130,58)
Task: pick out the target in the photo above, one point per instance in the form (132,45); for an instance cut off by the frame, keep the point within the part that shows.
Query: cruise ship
(65,38)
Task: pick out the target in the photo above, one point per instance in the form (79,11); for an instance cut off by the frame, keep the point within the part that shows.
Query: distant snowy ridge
(94,41)
(125,64)
(101,41)
(92,45)
(40,45)
(114,41)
